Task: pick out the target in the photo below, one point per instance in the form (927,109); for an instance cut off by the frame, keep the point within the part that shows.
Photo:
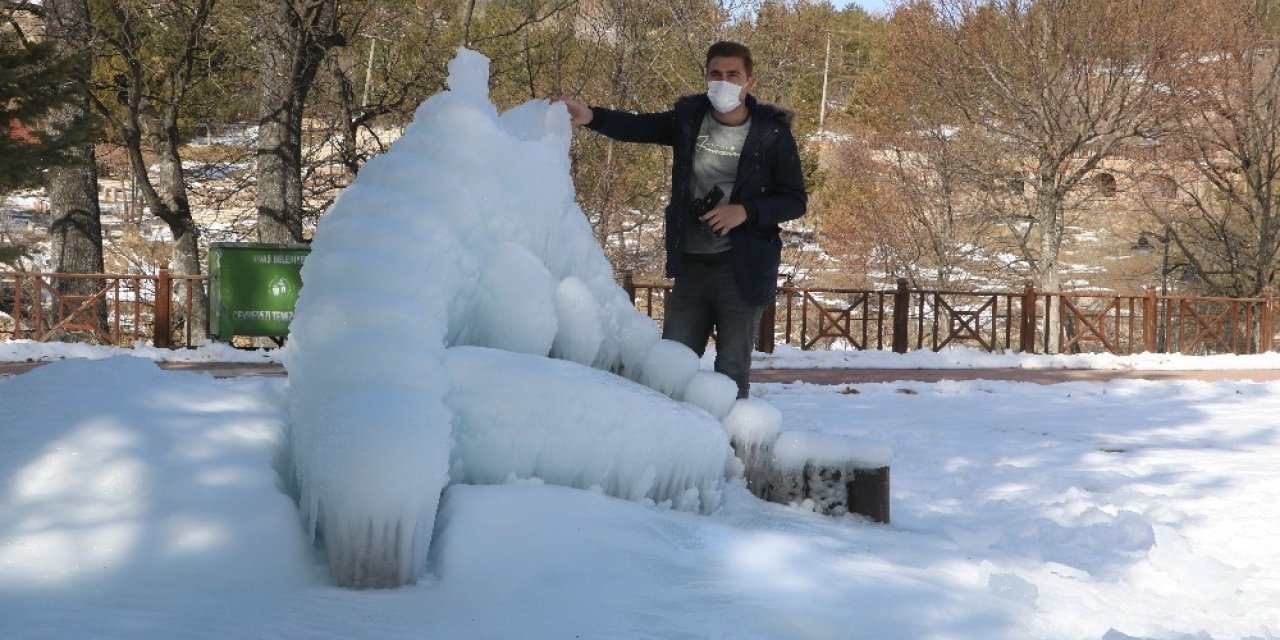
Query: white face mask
(725,96)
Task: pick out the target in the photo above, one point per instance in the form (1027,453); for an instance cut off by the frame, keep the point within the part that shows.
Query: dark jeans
(706,296)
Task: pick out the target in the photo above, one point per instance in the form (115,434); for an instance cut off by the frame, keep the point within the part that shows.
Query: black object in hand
(706,203)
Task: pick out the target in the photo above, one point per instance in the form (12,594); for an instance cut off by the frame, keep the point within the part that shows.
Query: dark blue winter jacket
(769,185)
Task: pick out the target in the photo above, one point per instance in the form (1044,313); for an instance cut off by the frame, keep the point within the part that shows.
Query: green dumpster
(253,287)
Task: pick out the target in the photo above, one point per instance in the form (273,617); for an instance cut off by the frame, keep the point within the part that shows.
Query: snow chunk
(753,425)
(712,391)
(668,367)
(753,422)
(515,305)
(469,76)
(639,335)
(793,450)
(580,333)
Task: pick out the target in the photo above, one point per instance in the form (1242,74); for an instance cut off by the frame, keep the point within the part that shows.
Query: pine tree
(75,222)
(34,82)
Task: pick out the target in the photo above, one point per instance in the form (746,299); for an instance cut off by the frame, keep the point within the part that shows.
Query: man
(723,247)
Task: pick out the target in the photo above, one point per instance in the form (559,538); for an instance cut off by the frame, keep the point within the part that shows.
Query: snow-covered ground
(788,357)
(511,445)
(784,357)
(141,503)
(32,351)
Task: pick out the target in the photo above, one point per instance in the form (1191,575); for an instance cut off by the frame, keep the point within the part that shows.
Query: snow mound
(467,233)
(122,481)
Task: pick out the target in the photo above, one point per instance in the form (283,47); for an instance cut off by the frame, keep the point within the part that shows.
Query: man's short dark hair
(726,49)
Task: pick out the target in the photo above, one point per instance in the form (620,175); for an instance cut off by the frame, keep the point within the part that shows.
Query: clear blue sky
(873,6)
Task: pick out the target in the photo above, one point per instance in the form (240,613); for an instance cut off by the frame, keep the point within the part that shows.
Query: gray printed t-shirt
(715,162)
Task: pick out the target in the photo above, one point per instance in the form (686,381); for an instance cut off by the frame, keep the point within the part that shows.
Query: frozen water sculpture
(460,323)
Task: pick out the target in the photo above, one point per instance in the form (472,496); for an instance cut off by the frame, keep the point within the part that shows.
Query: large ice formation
(466,232)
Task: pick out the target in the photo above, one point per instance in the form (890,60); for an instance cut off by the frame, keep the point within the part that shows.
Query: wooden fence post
(1266,331)
(1150,321)
(162,333)
(37,308)
(901,313)
(17,306)
(1027,328)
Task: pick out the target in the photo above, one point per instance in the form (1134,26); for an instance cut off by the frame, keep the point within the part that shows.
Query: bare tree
(945,231)
(1061,86)
(367,92)
(294,37)
(635,55)
(154,54)
(626,213)
(1228,225)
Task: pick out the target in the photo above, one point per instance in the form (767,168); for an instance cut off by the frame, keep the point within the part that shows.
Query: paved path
(218,369)
(817,376)
(1039,376)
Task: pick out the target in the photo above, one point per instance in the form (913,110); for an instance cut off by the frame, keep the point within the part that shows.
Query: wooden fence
(125,309)
(110,309)
(1029,321)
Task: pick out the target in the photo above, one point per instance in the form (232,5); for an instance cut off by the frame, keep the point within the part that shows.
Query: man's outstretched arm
(652,128)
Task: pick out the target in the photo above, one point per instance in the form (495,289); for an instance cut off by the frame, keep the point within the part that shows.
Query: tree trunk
(1264,201)
(152,98)
(1050,244)
(76,226)
(186,261)
(279,188)
(604,226)
(171,204)
(293,47)
(1049,219)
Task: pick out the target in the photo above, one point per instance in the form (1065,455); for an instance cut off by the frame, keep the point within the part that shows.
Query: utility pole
(826,69)
(368,72)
